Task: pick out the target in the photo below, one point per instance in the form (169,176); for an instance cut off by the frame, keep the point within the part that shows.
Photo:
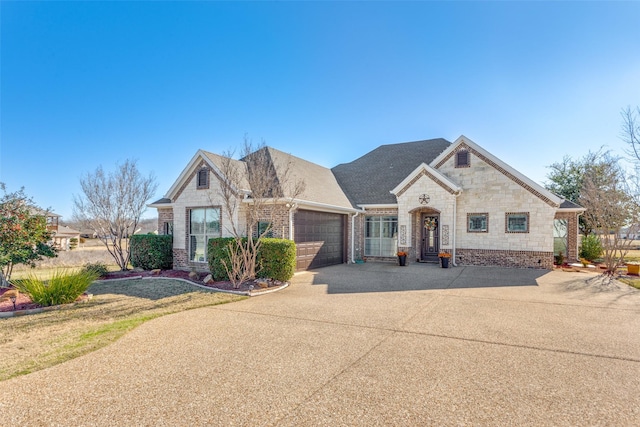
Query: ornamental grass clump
(62,288)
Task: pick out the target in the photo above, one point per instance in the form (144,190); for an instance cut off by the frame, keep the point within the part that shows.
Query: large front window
(204,224)
(380,236)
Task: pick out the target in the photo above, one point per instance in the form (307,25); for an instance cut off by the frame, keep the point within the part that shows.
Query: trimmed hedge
(150,251)
(276,259)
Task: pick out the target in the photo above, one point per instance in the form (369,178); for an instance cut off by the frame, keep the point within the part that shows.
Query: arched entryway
(426,233)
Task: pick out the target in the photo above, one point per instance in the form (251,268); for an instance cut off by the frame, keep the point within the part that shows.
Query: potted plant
(402,258)
(444,259)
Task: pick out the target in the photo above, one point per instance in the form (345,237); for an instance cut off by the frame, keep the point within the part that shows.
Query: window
(203,178)
(560,234)
(167,228)
(478,223)
(517,222)
(380,235)
(462,159)
(204,224)
(262,227)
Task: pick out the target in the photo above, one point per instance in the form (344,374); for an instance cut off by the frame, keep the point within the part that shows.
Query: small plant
(591,247)
(73,243)
(97,267)
(401,253)
(62,288)
(444,255)
(559,259)
(584,262)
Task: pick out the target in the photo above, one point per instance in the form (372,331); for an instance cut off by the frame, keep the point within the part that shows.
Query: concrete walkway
(366,345)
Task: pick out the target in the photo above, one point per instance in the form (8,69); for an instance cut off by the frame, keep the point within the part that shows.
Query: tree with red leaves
(24,238)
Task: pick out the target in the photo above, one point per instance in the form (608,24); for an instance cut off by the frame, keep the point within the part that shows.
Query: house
(61,235)
(423,197)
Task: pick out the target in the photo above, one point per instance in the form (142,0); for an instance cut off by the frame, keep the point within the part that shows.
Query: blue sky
(85,84)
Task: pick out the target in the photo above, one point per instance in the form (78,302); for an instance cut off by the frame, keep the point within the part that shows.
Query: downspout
(455,215)
(353,236)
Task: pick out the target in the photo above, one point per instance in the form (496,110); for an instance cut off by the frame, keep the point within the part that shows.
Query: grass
(35,342)
(631,282)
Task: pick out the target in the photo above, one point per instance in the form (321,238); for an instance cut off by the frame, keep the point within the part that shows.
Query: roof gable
(465,143)
(215,164)
(429,172)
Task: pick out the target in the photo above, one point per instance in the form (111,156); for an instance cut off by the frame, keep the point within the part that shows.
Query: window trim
(203,173)
(506,222)
(486,222)
(467,162)
(189,234)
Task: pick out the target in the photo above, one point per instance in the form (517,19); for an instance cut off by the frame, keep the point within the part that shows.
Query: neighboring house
(61,235)
(422,197)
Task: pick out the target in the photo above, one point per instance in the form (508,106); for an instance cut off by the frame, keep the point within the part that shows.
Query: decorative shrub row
(150,251)
(276,259)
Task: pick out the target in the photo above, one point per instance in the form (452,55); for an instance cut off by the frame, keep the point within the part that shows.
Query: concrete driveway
(369,344)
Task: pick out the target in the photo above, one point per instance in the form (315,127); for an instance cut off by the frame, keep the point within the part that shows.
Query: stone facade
(489,190)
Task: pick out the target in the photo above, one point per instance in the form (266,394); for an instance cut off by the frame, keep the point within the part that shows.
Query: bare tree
(630,132)
(268,187)
(611,208)
(111,206)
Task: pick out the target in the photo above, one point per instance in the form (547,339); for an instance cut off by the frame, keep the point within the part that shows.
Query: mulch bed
(181,274)
(23,302)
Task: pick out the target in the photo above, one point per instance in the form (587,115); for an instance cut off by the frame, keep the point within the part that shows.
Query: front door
(430,237)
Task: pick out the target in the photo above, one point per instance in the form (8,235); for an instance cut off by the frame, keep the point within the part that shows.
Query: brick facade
(572,234)
(165,221)
(505,258)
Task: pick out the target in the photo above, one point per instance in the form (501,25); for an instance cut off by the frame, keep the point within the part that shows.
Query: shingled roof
(320,185)
(368,180)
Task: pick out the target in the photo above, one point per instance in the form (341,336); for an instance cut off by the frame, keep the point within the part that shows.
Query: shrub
(97,267)
(150,251)
(277,259)
(591,247)
(62,288)
(73,243)
(218,254)
(559,258)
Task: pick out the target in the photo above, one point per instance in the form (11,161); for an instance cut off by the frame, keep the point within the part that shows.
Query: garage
(320,239)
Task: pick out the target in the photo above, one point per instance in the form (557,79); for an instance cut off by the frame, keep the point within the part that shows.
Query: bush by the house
(277,259)
(73,243)
(591,247)
(62,288)
(150,251)
(218,255)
